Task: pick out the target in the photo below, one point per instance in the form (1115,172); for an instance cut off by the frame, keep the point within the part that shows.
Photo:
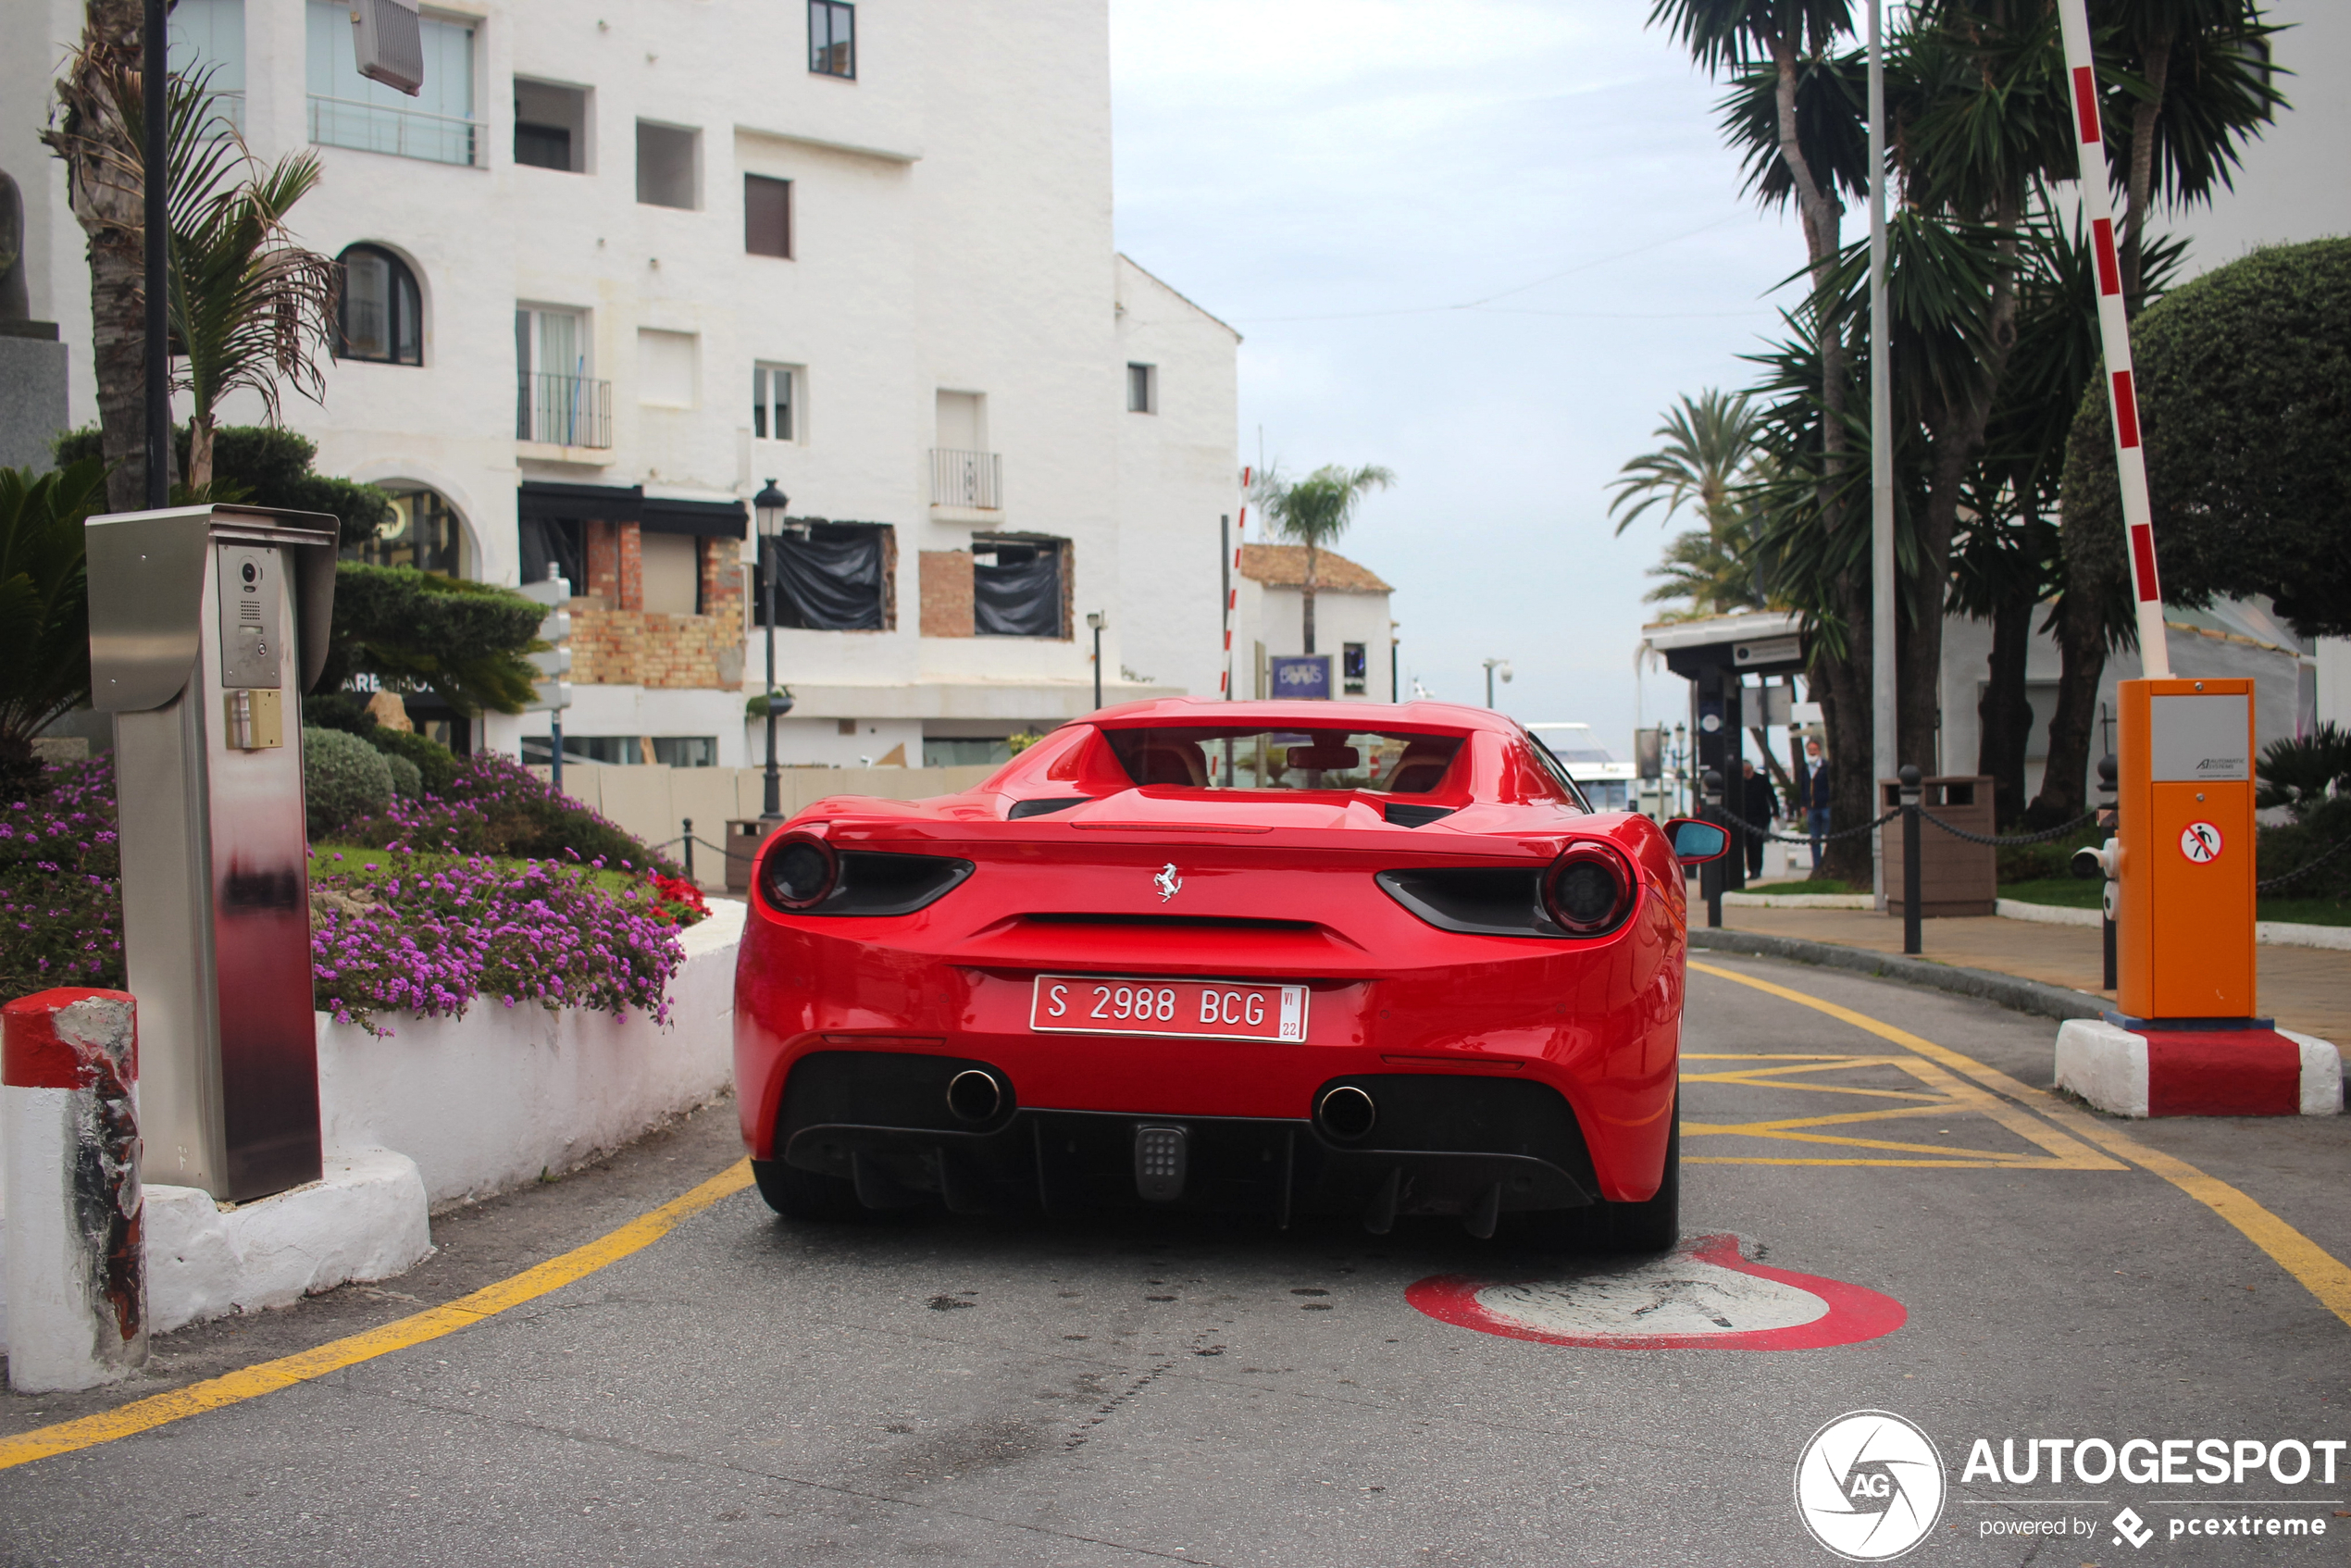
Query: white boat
(1607,782)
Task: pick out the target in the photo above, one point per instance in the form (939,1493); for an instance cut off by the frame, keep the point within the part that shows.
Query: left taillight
(1588,889)
(797,871)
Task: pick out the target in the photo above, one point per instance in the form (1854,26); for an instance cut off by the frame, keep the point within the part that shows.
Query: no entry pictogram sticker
(1702,1296)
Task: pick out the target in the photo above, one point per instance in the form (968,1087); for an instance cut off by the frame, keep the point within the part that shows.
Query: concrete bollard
(77,1279)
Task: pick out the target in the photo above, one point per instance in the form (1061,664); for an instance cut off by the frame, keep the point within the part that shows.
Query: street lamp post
(1095,621)
(1491,666)
(768,507)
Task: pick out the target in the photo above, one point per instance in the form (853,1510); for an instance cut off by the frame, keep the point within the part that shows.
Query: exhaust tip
(974,1095)
(1347,1113)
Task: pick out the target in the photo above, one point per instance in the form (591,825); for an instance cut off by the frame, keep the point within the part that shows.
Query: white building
(1352,631)
(617,268)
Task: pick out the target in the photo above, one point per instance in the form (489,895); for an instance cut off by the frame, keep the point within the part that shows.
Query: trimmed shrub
(407,777)
(436,762)
(491,806)
(344,778)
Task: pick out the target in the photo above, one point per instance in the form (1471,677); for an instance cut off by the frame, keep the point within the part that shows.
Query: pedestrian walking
(1816,796)
(1759,802)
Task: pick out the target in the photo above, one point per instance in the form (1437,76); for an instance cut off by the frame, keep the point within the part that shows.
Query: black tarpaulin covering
(1021,594)
(830,579)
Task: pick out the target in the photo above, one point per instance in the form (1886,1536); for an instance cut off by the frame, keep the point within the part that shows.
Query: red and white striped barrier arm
(1233,589)
(2114,333)
(76,1271)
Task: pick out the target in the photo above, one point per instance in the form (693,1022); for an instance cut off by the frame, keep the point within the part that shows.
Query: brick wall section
(633,570)
(947,592)
(604,563)
(629,647)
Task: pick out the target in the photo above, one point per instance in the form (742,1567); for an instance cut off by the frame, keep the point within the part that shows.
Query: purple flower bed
(60,912)
(493,806)
(434,934)
(393,931)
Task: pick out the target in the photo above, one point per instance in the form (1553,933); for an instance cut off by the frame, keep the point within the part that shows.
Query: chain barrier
(2043,837)
(1746,827)
(2283,877)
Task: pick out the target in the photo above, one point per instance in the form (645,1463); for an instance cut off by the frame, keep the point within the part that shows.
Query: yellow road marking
(1940,1094)
(2318,1271)
(267,1377)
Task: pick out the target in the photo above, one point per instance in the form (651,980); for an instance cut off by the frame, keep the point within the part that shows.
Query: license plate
(1095,1004)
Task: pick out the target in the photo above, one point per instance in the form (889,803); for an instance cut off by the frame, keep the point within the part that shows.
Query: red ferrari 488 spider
(1282,957)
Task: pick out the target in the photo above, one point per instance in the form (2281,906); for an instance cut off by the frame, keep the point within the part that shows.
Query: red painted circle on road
(1705,1277)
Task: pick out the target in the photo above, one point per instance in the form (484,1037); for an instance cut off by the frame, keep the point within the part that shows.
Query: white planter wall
(485,1102)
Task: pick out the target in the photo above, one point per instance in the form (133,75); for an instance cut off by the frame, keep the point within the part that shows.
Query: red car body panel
(1597,1019)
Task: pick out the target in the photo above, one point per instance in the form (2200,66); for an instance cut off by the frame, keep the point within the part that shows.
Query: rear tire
(804,1195)
(1654,1225)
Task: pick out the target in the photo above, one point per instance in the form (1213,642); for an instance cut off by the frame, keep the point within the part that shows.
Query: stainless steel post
(207,625)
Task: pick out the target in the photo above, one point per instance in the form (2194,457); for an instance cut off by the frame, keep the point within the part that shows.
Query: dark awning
(543,501)
(728,519)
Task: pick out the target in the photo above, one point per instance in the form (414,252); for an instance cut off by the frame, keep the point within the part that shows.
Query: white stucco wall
(1175,481)
(952,229)
(1276,617)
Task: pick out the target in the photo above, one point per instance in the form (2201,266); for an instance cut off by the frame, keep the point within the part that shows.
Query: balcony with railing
(405,134)
(974,480)
(563,410)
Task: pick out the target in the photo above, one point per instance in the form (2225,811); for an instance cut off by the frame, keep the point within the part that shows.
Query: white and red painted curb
(75,1271)
(1704,1295)
(2198,1073)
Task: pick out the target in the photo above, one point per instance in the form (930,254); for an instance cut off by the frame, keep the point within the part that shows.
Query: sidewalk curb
(2007,990)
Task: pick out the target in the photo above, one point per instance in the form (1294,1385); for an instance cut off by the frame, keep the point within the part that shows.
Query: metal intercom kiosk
(207,625)
(2185,928)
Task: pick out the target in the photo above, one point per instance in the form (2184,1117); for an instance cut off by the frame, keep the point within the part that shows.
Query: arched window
(382,312)
(422,532)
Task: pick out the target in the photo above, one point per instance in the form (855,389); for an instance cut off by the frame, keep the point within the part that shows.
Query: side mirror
(1696,842)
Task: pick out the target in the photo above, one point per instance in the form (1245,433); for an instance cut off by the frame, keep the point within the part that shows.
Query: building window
(666,159)
(666,368)
(556,400)
(775,402)
(1142,388)
(832,38)
(422,532)
(207,38)
(351,111)
(766,216)
(963,750)
(551,126)
(382,314)
(1353,667)
(685,751)
(613,751)
(1018,587)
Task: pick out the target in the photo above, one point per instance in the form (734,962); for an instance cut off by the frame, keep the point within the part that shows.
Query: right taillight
(797,871)
(1588,889)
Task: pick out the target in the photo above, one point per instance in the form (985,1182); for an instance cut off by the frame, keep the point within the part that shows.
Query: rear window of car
(1386,762)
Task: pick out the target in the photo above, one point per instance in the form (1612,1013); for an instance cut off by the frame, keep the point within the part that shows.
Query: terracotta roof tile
(1283,565)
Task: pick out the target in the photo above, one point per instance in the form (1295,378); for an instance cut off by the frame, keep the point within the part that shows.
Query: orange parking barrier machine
(2185,862)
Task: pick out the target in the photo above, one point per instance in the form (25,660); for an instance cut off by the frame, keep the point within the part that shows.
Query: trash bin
(744,836)
(1954,876)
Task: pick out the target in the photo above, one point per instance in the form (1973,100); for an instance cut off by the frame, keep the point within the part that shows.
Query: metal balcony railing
(563,410)
(406,133)
(967,479)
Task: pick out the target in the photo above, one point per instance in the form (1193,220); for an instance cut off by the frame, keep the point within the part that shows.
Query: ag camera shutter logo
(1870,1486)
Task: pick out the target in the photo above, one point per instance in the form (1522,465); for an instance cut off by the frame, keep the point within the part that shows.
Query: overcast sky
(1485,243)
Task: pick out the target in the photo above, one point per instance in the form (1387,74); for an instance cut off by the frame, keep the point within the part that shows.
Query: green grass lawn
(1806,887)
(2071,892)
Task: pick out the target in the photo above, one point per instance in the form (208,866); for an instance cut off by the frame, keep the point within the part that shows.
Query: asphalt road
(1002,1392)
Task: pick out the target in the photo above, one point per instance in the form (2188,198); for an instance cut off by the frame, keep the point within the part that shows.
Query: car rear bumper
(1476,1147)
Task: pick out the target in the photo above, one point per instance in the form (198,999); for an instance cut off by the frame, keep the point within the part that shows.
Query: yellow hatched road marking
(1940,1094)
(267,1377)
(2318,1271)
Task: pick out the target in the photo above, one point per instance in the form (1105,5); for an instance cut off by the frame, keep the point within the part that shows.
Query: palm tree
(44,606)
(1314,511)
(105,181)
(248,306)
(1715,571)
(1710,440)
